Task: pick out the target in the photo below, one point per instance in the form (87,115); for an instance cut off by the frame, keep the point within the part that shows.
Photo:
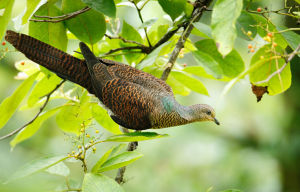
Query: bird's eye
(208,112)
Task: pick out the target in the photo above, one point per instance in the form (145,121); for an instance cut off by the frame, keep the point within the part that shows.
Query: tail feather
(57,61)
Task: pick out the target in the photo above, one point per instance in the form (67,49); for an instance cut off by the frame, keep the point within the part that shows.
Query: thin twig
(180,44)
(125,40)
(61,17)
(37,115)
(123,48)
(282,67)
(141,18)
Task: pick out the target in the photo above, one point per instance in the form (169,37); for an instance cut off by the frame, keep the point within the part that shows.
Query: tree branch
(61,17)
(37,115)
(292,55)
(197,13)
(125,40)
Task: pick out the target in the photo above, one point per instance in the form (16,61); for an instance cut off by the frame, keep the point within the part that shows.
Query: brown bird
(136,99)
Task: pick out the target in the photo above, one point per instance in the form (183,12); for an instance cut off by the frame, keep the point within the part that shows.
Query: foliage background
(256,148)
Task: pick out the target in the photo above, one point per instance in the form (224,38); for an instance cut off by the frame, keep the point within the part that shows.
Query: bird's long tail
(57,61)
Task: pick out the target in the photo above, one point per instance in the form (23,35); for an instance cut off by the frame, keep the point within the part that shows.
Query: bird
(135,99)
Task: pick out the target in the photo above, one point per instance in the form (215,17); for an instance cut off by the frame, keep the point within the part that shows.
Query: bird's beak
(216,121)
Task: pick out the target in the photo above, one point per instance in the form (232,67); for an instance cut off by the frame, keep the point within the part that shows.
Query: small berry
(97,131)
(69,155)
(3,43)
(252,50)
(76,156)
(258,9)
(82,125)
(82,130)
(261,57)
(73,152)
(87,135)
(184,65)
(274,44)
(270,34)
(92,141)
(22,63)
(79,146)
(82,157)
(94,149)
(267,38)
(249,46)
(249,33)
(6,49)
(106,20)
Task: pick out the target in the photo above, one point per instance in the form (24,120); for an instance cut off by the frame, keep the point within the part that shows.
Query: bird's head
(203,112)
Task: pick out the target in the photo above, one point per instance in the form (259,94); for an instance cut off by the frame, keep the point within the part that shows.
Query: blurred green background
(256,148)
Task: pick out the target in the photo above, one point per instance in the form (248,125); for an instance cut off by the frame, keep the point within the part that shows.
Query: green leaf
(188,10)
(202,30)
(190,82)
(120,160)
(150,59)
(292,38)
(117,149)
(11,103)
(107,7)
(71,116)
(208,62)
(103,118)
(130,33)
(99,183)
(148,23)
(88,27)
(37,165)
(51,33)
(30,8)
(263,24)
(278,83)
(244,24)
(298,1)
(134,136)
(231,65)
(32,128)
(231,190)
(43,87)
(177,86)
(59,169)
(7,5)
(198,71)
(224,16)
(174,8)
(102,160)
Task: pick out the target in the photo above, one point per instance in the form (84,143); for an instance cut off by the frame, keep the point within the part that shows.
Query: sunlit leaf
(11,103)
(99,183)
(37,165)
(224,16)
(120,160)
(150,58)
(231,65)
(102,160)
(43,87)
(107,7)
(72,116)
(209,63)
(202,30)
(59,169)
(31,5)
(135,136)
(51,33)
(7,6)
(177,86)
(278,83)
(104,119)
(32,128)
(190,82)
(88,27)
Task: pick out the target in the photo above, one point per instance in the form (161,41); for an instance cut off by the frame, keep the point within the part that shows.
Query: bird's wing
(136,76)
(130,103)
